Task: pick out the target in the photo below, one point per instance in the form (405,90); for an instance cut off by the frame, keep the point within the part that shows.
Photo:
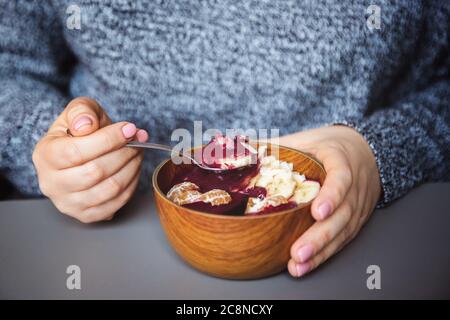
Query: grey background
(129,257)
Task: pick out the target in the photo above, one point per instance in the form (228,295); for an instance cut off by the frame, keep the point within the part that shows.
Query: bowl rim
(237,217)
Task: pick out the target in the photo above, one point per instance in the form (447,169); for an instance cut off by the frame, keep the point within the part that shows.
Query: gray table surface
(129,257)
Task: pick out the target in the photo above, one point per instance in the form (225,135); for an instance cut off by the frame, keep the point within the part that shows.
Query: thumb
(85,116)
(299,140)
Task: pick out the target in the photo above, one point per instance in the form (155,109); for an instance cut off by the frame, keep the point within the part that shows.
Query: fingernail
(129,130)
(302,268)
(81,122)
(324,210)
(305,252)
(142,135)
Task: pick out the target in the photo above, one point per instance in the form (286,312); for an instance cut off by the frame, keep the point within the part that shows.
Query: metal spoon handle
(149,145)
(157,146)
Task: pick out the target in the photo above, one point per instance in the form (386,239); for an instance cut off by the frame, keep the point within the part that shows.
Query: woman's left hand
(346,199)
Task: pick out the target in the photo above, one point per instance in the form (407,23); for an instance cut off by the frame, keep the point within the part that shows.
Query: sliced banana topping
(255,205)
(282,184)
(306,191)
(277,177)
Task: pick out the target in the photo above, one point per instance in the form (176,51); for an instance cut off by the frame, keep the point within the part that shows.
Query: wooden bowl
(235,247)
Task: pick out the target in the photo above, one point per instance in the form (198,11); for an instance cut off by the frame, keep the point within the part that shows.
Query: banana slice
(306,191)
(278,178)
(299,178)
(255,205)
(282,187)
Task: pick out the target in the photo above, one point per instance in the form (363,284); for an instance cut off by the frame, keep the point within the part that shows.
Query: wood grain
(235,247)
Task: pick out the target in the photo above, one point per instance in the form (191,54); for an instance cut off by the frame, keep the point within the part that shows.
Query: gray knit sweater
(290,65)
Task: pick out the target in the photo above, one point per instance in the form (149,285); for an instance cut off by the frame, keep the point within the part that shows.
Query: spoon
(156,146)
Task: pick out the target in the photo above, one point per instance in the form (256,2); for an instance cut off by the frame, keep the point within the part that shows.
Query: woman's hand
(346,199)
(88,176)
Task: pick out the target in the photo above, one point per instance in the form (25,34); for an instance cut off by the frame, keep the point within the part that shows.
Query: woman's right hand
(89,175)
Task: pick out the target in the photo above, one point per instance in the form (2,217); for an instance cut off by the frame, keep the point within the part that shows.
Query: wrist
(359,148)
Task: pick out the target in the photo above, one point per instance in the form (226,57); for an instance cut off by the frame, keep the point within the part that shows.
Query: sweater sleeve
(34,61)
(410,137)
(410,140)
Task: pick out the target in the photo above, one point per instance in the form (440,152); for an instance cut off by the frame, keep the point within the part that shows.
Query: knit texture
(291,65)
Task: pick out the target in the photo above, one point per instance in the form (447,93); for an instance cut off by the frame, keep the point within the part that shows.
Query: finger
(93,172)
(320,234)
(109,188)
(299,269)
(299,141)
(335,187)
(74,204)
(81,116)
(141,135)
(107,210)
(67,152)
(306,141)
